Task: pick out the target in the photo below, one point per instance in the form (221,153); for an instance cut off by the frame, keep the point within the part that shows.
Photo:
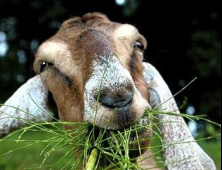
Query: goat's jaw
(139,139)
(105,118)
(140,126)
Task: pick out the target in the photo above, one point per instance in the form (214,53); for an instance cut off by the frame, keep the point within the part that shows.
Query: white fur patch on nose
(108,73)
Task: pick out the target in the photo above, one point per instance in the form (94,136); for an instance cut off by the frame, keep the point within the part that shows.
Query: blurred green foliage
(213,146)
(29,157)
(205,53)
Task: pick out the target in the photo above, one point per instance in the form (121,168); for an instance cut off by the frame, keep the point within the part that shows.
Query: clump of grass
(84,150)
(81,141)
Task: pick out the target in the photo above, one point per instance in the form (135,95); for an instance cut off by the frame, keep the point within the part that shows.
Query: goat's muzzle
(119,100)
(111,97)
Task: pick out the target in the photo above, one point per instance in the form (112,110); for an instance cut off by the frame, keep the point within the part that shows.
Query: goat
(70,66)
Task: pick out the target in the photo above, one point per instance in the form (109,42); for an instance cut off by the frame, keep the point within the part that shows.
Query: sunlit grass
(54,147)
(213,149)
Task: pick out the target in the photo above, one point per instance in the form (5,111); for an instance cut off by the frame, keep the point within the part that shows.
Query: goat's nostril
(124,101)
(116,100)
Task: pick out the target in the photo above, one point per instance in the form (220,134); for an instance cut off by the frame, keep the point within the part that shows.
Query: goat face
(93,68)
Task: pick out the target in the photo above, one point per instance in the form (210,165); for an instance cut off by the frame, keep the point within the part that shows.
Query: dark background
(184,42)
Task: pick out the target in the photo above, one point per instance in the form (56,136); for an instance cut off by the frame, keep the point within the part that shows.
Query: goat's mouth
(136,139)
(123,118)
(116,118)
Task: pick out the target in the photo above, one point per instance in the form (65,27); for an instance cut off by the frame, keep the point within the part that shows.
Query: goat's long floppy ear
(28,104)
(181,152)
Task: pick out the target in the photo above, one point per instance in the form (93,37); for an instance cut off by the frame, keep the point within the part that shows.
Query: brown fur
(70,34)
(71,51)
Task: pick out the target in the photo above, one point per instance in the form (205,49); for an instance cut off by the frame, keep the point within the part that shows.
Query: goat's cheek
(141,86)
(140,104)
(69,102)
(70,106)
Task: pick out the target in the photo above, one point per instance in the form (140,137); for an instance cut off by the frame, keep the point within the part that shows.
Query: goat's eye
(139,45)
(44,65)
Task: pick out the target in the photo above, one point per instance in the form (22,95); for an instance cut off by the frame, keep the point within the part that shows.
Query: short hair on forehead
(88,20)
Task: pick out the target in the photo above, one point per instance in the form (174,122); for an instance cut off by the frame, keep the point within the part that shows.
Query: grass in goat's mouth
(117,148)
(82,138)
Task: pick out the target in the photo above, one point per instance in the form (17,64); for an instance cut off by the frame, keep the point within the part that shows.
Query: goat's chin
(139,126)
(139,137)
